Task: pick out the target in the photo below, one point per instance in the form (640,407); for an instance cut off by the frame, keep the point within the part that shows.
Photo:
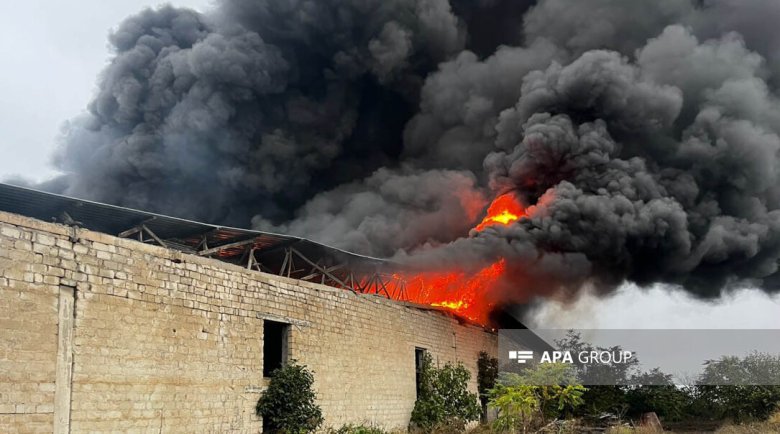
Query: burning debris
(613,140)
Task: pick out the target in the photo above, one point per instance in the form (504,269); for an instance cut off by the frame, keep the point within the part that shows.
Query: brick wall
(164,341)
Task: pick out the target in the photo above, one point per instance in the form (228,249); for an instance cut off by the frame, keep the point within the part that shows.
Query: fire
(504,210)
(467,294)
(470,294)
(453,305)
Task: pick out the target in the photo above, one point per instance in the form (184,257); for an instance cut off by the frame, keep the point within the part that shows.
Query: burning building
(117,320)
(622,150)
(489,152)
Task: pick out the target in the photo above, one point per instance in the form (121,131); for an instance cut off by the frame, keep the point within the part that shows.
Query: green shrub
(356,429)
(444,398)
(517,406)
(531,399)
(288,405)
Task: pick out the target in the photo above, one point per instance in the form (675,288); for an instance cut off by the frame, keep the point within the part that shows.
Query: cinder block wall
(99,333)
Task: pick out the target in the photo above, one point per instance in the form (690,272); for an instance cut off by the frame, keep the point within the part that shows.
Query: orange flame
(468,294)
(504,210)
(452,305)
(464,293)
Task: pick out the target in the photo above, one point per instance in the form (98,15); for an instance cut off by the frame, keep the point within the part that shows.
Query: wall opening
(274,345)
(419,361)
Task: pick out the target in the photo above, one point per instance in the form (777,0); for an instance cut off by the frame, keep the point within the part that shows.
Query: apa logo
(521,356)
(556,357)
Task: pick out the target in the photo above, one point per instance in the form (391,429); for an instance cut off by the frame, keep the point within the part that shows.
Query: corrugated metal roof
(186,235)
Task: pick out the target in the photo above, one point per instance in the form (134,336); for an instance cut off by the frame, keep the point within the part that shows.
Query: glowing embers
(504,210)
(452,305)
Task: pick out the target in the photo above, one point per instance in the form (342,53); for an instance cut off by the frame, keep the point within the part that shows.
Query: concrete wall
(99,333)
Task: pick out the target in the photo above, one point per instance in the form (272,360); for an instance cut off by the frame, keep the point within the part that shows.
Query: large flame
(504,210)
(469,294)
(461,292)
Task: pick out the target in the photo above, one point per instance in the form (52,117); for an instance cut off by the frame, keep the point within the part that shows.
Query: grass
(750,428)
(770,426)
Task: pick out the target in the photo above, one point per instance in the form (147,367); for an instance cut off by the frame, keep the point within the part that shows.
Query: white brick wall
(164,339)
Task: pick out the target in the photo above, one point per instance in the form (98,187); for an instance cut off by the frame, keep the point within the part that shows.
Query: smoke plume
(643,137)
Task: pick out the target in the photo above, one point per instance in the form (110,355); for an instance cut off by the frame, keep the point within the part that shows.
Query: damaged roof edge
(117,220)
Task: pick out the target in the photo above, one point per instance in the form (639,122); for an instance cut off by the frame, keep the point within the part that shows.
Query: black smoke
(255,106)
(643,136)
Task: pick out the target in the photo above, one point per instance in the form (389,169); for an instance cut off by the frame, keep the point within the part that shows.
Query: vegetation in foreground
(443,398)
(576,426)
(288,405)
(548,399)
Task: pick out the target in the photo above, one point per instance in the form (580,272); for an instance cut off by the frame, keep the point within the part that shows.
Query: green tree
(288,405)
(601,397)
(613,373)
(655,391)
(717,394)
(444,397)
(740,388)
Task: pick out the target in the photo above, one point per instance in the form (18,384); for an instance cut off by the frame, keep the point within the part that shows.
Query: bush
(444,399)
(356,429)
(656,392)
(517,405)
(534,397)
(668,402)
(288,405)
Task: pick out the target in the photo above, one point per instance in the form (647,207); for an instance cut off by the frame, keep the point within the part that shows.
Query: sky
(53,51)
(660,307)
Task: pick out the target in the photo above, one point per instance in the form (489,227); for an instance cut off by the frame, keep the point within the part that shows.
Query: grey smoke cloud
(390,210)
(616,25)
(643,136)
(254,105)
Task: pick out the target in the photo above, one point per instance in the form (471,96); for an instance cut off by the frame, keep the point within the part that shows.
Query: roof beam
(154,236)
(316,272)
(135,229)
(322,270)
(127,233)
(213,250)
